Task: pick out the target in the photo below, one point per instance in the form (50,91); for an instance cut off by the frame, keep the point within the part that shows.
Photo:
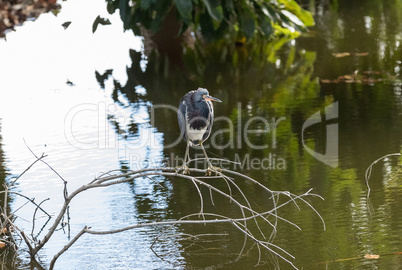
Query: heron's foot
(183,168)
(211,169)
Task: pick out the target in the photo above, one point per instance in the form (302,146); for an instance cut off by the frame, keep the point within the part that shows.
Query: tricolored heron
(196,116)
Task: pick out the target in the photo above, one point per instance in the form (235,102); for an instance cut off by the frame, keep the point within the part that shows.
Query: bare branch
(34,215)
(31,201)
(84,230)
(27,169)
(264,219)
(50,167)
(368,174)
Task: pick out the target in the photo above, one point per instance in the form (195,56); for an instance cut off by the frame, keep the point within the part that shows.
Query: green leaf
(125,12)
(111,6)
(266,26)
(185,8)
(247,23)
(137,16)
(66,25)
(207,26)
(228,5)
(158,15)
(98,21)
(302,14)
(285,21)
(146,4)
(265,20)
(215,10)
(272,12)
(292,17)
(306,17)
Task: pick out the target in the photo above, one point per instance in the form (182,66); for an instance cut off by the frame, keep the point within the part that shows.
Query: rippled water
(86,101)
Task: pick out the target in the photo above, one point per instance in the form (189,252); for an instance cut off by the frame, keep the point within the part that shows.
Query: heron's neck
(204,108)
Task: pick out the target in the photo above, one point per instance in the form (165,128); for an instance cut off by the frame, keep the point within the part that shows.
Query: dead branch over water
(252,223)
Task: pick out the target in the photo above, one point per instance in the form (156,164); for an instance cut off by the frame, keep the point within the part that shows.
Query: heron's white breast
(195,134)
(198,134)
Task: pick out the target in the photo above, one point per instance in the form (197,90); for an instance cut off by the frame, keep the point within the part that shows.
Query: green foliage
(215,10)
(98,20)
(66,24)
(217,19)
(184,7)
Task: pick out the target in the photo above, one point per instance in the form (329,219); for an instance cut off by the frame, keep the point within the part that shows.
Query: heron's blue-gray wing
(181,117)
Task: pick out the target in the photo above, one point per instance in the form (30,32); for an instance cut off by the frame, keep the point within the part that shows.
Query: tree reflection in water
(352,56)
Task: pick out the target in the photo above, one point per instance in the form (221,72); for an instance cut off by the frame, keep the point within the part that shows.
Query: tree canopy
(216,19)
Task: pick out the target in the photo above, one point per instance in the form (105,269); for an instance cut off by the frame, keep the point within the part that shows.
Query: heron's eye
(203,96)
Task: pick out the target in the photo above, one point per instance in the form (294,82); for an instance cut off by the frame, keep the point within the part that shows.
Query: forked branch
(264,220)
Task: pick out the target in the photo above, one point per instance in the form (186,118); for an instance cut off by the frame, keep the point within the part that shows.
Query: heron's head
(202,94)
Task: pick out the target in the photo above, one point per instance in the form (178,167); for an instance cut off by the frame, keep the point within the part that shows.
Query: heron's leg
(184,167)
(210,167)
(187,156)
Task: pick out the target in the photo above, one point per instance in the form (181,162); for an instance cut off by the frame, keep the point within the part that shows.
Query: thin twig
(31,201)
(234,193)
(27,169)
(34,215)
(368,173)
(201,199)
(50,167)
(66,247)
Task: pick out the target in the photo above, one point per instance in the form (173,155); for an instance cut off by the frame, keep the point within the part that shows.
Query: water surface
(87,101)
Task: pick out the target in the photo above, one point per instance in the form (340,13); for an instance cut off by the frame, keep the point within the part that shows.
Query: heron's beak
(206,97)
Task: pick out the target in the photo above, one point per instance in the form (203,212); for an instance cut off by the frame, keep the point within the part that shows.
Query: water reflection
(352,56)
(37,108)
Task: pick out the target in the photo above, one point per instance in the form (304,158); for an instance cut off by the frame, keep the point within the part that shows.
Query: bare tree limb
(31,201)
(83,231)
(34,215)
(27,169)
(262,218)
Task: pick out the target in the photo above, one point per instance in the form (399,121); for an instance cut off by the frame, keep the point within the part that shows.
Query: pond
(98,102)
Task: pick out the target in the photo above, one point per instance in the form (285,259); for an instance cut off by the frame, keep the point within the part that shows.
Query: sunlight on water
(50,98)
